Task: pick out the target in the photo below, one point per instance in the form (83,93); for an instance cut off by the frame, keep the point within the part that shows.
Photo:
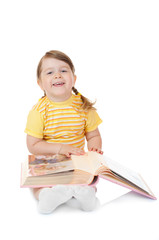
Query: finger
(82,151)
(68,154)
(100,151)
(79,151)
(92,149)
(95,150)
(75,152)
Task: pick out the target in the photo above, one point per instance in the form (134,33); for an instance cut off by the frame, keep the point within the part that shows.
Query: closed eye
(49,73)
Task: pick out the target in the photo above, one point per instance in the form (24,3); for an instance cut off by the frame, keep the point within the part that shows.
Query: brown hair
(87,104)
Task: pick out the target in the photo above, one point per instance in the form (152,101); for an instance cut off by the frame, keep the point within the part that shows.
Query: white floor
(120,215)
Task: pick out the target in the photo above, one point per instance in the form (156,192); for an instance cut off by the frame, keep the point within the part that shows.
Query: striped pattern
(63,123)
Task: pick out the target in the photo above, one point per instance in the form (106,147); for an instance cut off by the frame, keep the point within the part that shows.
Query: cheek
(43,85)
(47,83)
(70,81)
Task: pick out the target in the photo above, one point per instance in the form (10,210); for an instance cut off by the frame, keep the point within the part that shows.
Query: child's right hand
(68,150)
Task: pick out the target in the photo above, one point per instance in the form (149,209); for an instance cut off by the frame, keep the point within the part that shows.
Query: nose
(57,75)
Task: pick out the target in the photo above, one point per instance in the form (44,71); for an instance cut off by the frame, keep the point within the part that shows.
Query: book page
(126,173)
(89,162)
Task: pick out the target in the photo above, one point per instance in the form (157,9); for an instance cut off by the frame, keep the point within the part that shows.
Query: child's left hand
(98,150)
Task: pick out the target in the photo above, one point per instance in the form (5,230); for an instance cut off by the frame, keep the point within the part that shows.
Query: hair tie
(79,94)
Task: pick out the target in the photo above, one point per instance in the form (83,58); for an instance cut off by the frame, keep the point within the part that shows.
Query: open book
(45,171)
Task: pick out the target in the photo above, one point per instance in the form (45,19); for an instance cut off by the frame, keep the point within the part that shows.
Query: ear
(40,84)
(74,81)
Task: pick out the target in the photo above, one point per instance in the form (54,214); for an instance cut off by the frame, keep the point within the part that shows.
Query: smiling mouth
(58,84)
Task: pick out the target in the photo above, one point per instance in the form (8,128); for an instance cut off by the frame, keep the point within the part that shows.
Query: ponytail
(44,95)
(87,104)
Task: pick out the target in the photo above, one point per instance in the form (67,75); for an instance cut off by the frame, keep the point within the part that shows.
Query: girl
(59,124)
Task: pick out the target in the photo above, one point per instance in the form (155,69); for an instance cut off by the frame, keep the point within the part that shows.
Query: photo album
(46,171)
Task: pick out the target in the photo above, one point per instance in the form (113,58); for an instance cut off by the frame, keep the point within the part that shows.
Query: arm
(38,146)
(94,141)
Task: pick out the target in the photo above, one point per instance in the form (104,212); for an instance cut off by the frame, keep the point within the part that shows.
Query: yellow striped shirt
(61,122)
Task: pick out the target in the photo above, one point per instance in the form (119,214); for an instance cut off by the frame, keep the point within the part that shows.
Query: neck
(62,98)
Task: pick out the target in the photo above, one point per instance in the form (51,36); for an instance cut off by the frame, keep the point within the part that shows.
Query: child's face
(56,79)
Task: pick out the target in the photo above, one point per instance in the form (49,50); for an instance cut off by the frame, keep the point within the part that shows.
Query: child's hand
(98,150)
(68,150)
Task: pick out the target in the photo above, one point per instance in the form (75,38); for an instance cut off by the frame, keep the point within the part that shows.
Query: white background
(114,46)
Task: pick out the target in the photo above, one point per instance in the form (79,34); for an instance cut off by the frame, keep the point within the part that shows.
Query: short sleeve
(35,123)
(93,120)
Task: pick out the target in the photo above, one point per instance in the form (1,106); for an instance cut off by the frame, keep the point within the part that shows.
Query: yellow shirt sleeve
(93,120)
(35,124)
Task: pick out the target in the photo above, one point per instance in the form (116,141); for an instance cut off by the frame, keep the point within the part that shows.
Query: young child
(59,124)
